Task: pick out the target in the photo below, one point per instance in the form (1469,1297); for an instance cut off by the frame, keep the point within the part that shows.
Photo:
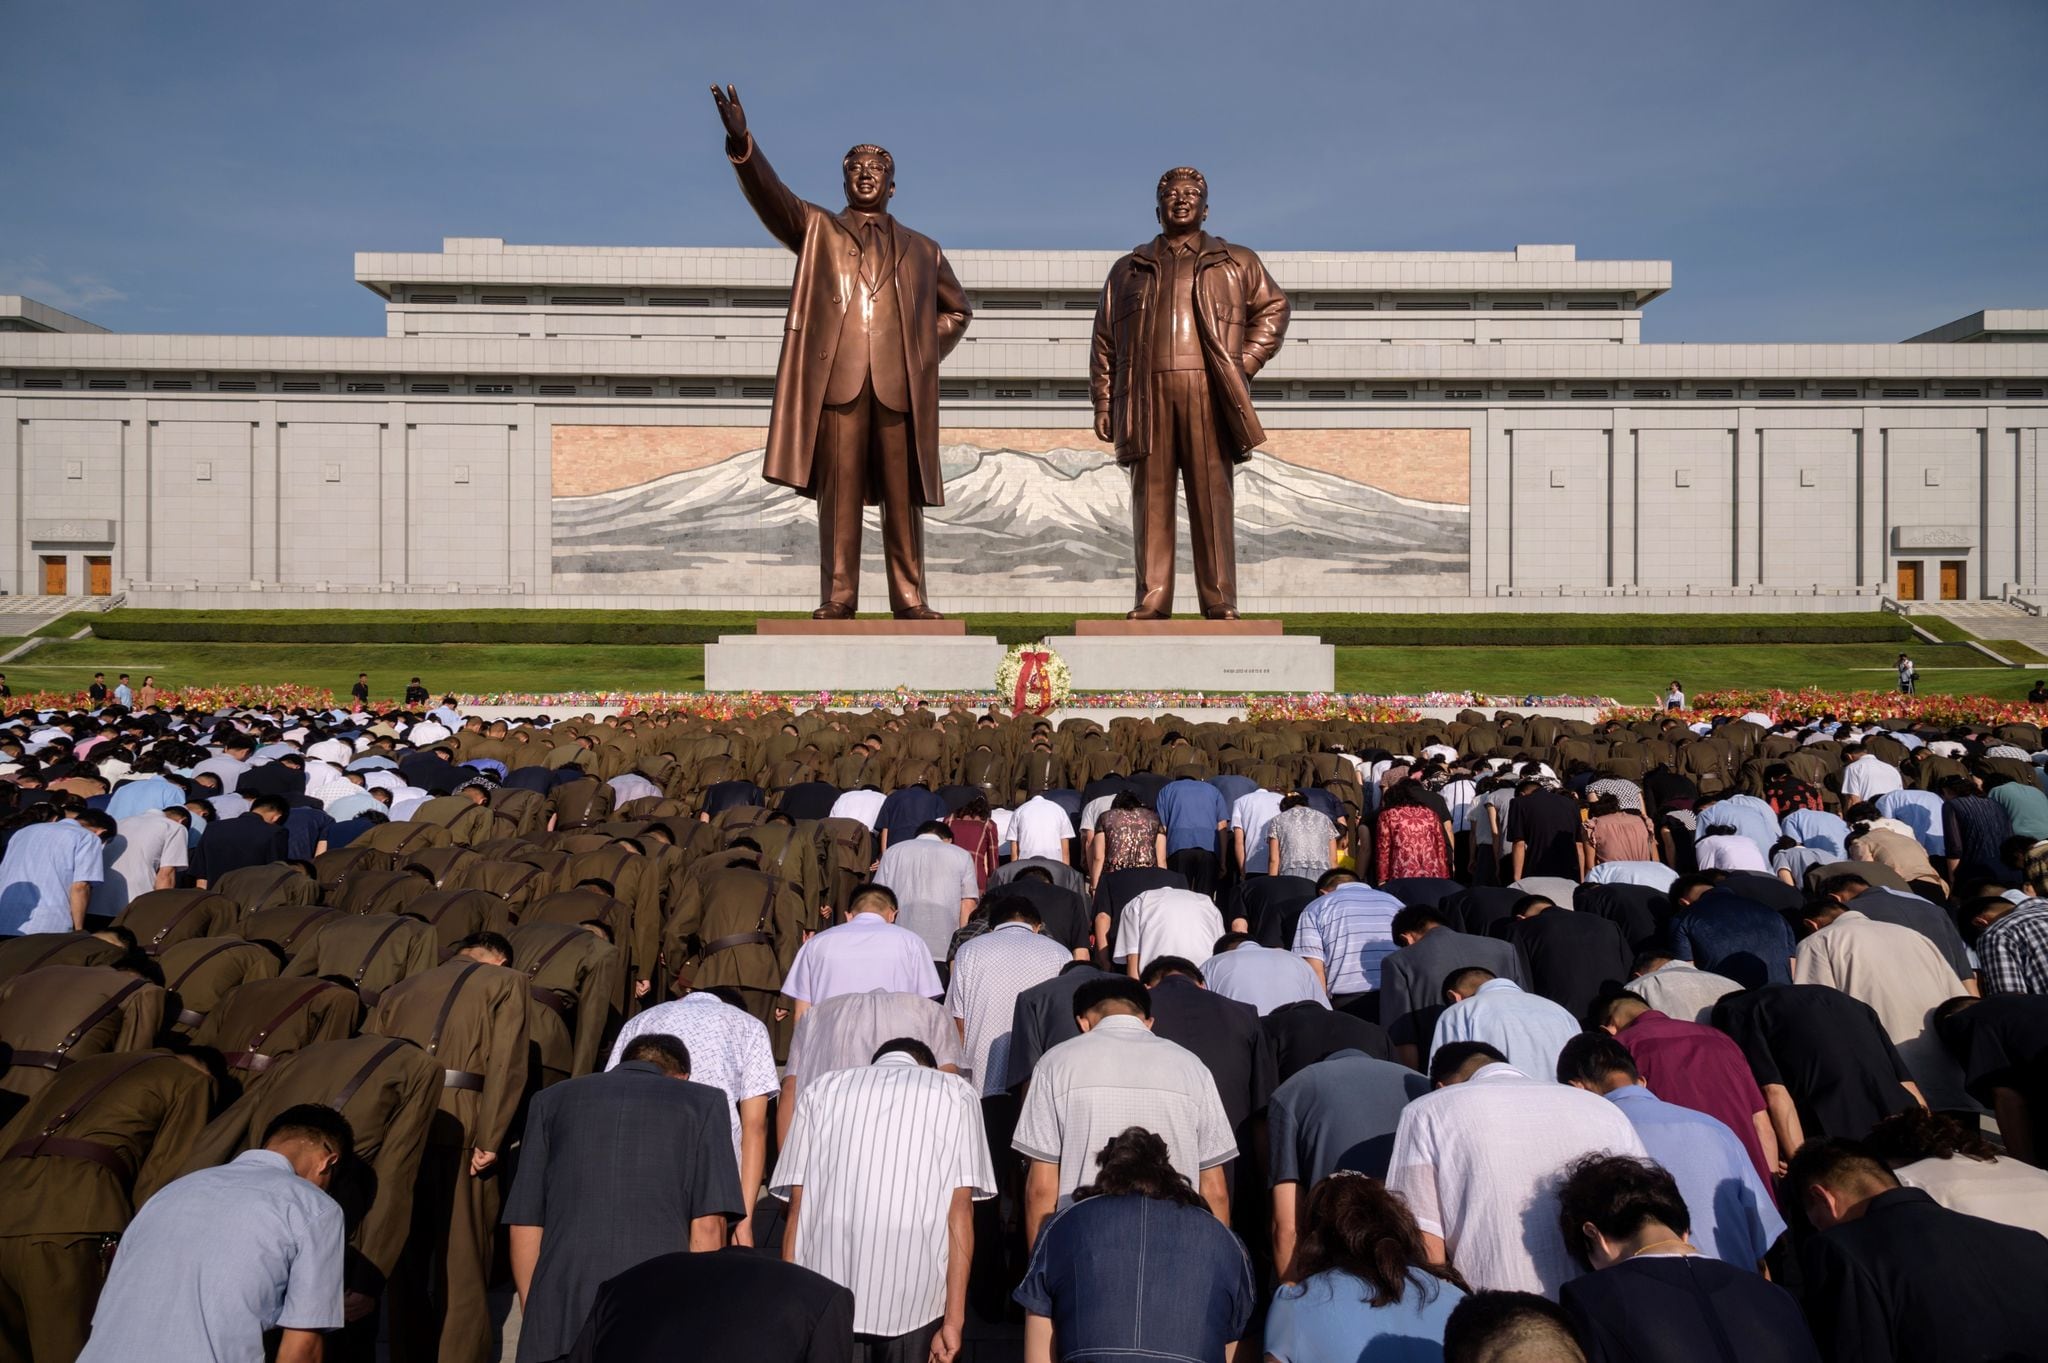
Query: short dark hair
(1482,1324)
(906,1045)
(1414,918)
(937,828)
(1014,908)
(1837,1163)
(666,1053)
(1231,941)
(1467,975)
(869,890)
(1331,879)
(1618,1195)
(1116,989)
(600,884)
(1453,1056)
(489,941)
(315,1122)
(271,804)
(1171,965)
(1590,1057)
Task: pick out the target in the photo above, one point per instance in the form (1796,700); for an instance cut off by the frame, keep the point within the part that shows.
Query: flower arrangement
(1035,679)
(204,698)
(1941,712)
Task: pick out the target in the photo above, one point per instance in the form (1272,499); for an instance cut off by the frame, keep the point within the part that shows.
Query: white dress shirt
(862,806)
(1168,922)
(866,952)
(1868,777)
(1038,829)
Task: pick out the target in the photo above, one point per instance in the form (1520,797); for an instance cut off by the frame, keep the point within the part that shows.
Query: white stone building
(579,426)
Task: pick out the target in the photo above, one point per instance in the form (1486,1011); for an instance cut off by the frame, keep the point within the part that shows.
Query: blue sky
(1815,170)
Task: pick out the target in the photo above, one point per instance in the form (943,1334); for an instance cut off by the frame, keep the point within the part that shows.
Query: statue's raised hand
(730,110)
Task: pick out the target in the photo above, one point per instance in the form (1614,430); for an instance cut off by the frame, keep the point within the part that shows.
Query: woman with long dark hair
(974,832)
(1361,1284)
(1137,1265)
(1410,837)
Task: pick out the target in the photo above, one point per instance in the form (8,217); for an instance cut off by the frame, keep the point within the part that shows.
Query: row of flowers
(1855,706)
(202,698)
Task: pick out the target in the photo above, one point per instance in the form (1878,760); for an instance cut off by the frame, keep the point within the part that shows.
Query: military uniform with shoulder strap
(19,955)
(162,918)
(372,953)
(74,1165)
(573,979)
(742,928)
(261,1022)
(200,972)
(471,1018)
(271,886)
(56,1016)
(290,929)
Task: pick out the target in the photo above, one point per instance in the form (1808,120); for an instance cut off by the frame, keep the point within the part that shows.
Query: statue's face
(1183,204)
(870,181)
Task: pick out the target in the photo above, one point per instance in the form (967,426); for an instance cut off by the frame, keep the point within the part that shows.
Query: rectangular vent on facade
(760,300)
(1269,392)
(1527,394)
(1464,394)
(696,390)
(1591,305)
(1902,392)
(42,383)
(430,298)
(1391,395)
(2024,392)
(632,390)
(429,388)
(587,300)
(1773,394)
(235,385)
(1012,302)
(1516,305)
(1714,394)
(955,392)
(556,390)
(299,386)
(363,387)
(492,388)
(663,300)
(170,385)
(1432,305)
(1650,394)
(1079,305)
(1012,394)
(1962,392)
(106,384)
(1069,394)
(1341,304)
(506,300)
(1328,394)
(765,390)
(1841,392)
(1590,394)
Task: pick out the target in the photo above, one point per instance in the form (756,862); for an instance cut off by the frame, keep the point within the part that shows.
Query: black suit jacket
(1226,1037)
(1572,956)
(230,844)
(736,1303)
(1912,1280)
(1689,1309)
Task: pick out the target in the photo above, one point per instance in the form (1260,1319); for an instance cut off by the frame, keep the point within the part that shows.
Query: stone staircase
(1991,620)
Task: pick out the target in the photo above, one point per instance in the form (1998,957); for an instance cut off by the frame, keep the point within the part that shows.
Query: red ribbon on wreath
(1032,670)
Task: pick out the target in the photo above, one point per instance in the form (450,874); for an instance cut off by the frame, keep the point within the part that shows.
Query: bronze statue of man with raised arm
(1184,322)
(873,309)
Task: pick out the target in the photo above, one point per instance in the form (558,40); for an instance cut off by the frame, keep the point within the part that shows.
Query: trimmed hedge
(701,627)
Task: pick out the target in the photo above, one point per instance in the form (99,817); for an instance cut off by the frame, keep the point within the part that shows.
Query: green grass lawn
(1635,674)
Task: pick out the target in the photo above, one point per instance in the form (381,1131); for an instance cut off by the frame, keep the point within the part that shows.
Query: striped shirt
(878,1153)
(989,973)
(2014,951)
(1351,931)
(844,1033)
(728,1046)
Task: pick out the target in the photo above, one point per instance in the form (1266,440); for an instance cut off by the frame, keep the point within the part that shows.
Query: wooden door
(99,575)
(56,575)
(1954,578)
(1909,580)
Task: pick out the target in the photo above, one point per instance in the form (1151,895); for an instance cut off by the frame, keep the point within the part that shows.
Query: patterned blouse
(1130,838)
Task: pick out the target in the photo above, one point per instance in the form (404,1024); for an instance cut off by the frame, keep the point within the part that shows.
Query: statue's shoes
(832,610)
(1221,613)
(919,613)
(1145,613)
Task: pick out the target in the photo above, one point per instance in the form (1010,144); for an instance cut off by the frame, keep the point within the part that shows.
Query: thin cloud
(66,290)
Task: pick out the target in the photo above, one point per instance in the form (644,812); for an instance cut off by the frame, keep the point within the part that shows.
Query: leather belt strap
(370,957)
(49,955)
(462,1079)
(255,1062)
(188,1018)
(541,960)
(276,882)
(737,939)
(362,1076)
(314,913)
(262,1034)
(37,1060)
(156,944)
(448,1006)
(59,1057)
(211,952)
(555,1001)
(44,1142)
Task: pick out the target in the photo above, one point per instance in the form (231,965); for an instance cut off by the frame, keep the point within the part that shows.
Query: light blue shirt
(123,697)
(1752,818)
(142,795)
(1527,1028)
(1820,830)
(1264,977)
(1252,813)
(1351,931)
(1191,810)
(217,1258)
(1331,1319)
(1733,1217)
(1919,810)
(1653,875)
(43,862)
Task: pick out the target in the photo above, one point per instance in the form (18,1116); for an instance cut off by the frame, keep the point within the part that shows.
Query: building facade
(1448,431)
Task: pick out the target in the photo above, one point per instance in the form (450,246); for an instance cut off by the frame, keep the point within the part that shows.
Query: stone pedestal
(853,655)
(1195,655)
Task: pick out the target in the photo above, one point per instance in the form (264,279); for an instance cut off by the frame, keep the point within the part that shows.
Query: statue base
(853,655)
(1195,655)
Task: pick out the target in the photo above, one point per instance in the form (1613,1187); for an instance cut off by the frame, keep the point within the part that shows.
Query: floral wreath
(1034,679)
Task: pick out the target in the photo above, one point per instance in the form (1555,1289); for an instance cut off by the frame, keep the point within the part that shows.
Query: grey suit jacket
(1412,979)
